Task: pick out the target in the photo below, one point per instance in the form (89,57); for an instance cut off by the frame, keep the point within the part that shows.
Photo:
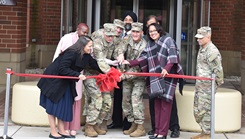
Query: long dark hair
(159,29)
(80,44)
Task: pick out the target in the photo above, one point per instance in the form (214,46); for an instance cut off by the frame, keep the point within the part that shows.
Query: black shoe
(113,126)
(65,136)
(175,133)
(152,132)
(152,137)
(53,137)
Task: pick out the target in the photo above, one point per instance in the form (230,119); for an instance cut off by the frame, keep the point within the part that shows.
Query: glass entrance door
(189,46)
(195,13)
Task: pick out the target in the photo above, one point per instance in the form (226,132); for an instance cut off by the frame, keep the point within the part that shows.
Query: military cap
(119,23)
(137,26)
(202,32)
(109,29)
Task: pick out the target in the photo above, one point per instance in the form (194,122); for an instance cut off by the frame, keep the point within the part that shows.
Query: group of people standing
(121,44)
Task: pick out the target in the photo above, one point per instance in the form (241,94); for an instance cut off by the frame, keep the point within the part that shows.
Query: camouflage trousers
(202,109)
(132,103)
(97,105)
(203,104)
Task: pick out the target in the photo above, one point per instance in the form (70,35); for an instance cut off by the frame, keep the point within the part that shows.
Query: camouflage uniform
(133,87)
(97,34)
(98,111)
(117,39)
(94,35)
(208,63)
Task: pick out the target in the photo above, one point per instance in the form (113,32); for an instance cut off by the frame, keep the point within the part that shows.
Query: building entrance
(180,18)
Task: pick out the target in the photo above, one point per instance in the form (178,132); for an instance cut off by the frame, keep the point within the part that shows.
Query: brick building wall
(12,39)
(22,47)
(13,28)
(226,22)
(47,24)
(243,50)
(44,35)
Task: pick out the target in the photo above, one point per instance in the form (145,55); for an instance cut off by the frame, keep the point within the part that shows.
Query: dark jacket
(68,63)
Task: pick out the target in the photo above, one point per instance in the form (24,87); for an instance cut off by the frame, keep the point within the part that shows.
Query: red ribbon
(107,82)
(169,75)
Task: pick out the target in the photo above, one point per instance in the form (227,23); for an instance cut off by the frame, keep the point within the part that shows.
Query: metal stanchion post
(213,107)
(6,111)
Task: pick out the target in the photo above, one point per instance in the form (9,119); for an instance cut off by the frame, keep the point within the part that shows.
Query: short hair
(150,17)
(79,26)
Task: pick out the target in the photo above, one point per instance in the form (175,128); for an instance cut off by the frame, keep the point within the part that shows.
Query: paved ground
(29,132)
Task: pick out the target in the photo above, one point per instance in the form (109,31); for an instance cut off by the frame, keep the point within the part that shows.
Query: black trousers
(117,114)
(174,119)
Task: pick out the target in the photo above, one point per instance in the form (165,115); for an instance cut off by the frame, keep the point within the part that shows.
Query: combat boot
(89,131)
(83,129)
(198,136)
(98,130)
(205,136)
(140,131)
(103,126)
(131,129)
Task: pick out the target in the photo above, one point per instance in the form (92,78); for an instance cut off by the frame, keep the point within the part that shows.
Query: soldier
(208,63)
(119,30)
(117,39)
(100,103)
(133,87)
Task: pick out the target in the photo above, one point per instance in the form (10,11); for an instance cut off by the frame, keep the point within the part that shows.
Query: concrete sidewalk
(28,132)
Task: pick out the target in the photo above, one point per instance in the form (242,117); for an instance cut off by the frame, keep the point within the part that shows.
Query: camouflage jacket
(131,51)
(209,62)
(102,50)
(97,34)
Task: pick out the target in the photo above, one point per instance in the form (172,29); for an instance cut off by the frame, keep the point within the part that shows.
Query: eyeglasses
(152,31)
